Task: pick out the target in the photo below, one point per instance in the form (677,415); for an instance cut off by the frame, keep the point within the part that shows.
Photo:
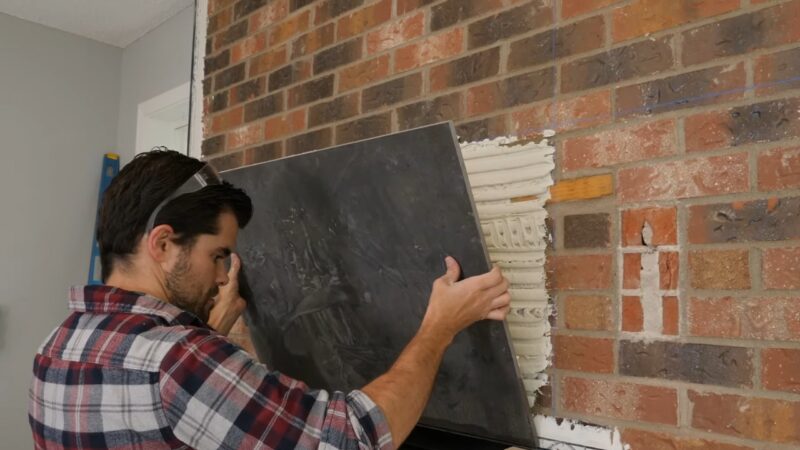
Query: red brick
(649,16)
(364,128)
(230,35)
(619,146)
(670,315)
(285,125)
(781,268)
(746,417)
(583,354)
(364,73)
(290,74)
(218,5)
(263,152)
(714,175)
(663,222)
(768,318)
(268,61)
(404,6)
(227,161)
(329,9)
(706,131)
(467,69)
(685,90)
(632,314)
(478,130)
(434,48)
(509,92)
(550,45)
(615,66)
(742,34)
(269,15)
(363,19)
(313,140)
(447,13)
(339,55)
(668,270)
(564,115)
(583,312)
(770,219)
(219,21)
(620,400)
(247,135)
(213,146)
(761,122)
(780,369)
(311,91)
(777,72)
(587,230)
(393,91)
(249,90)
(631,270)
(509,23)
(579,272)
(719,269)
(227,120)
(248,46)
(779,169)
(290,27)
(313,40)
(648,440)
(572,8)
(396,33)
(714,318)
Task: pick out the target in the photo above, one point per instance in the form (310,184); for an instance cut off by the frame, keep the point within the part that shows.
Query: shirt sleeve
(214,395)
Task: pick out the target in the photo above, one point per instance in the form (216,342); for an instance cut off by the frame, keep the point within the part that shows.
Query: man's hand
(455,305)
(228,304)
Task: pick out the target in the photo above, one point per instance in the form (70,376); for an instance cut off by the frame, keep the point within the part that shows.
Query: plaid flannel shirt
(127,370)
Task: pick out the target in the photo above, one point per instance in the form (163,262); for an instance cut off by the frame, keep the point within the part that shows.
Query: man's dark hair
(144,183)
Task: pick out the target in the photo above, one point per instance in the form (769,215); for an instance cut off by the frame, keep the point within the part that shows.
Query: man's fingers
(236,264)
(453,271)
(496,290)
(490,278)
(501,301)
(499,313)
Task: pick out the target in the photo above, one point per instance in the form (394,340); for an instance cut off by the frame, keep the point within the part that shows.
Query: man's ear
(159,242)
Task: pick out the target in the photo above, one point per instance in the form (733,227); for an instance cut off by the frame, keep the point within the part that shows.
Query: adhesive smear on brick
(510,184)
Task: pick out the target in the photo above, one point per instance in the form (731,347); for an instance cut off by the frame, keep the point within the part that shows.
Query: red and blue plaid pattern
(127,370)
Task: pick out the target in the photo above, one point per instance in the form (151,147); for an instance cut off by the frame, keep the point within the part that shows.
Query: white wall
(155,63)
(64,102)
(59,101)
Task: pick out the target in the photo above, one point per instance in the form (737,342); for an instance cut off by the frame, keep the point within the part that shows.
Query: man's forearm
(403,391)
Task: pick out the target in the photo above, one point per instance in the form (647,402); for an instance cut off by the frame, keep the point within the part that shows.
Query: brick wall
(675,267)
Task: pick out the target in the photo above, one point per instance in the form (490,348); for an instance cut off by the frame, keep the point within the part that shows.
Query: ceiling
(114,22)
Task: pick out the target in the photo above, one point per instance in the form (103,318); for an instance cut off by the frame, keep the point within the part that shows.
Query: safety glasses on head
(206,176)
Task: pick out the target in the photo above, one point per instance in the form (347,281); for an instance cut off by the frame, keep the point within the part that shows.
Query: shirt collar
(108,299)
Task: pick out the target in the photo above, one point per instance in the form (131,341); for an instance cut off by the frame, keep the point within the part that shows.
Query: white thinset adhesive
(565,434)
(510,184)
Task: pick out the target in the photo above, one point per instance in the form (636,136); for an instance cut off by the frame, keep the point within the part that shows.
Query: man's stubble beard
(179,289)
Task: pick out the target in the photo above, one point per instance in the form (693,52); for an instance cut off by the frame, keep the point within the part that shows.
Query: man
(143,362)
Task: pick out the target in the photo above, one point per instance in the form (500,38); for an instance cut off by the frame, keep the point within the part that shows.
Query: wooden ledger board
(340,255)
